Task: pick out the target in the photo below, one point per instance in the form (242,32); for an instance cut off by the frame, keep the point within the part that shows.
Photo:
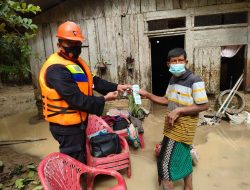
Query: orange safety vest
(55,109)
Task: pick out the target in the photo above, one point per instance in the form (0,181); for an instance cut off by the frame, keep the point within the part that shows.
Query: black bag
(105,144)
(120,124)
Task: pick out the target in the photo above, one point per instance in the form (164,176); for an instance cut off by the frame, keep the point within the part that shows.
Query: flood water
(223,149)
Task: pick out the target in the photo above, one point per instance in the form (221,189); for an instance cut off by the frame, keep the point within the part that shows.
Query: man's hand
(143,93)
(172,116)
(124,87)
(111,96)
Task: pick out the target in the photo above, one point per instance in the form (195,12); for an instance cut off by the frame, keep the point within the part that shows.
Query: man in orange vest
(67,92)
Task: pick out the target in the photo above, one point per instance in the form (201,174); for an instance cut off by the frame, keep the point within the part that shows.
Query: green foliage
(22,182)
(39,187)
(16,28)
(32,170)
(19,184)
(136,111)
(22,178)
(18,170)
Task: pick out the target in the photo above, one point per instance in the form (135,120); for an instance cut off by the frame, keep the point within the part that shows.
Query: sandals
(133,136)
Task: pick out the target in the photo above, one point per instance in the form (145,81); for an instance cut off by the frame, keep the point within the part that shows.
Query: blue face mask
(177,69)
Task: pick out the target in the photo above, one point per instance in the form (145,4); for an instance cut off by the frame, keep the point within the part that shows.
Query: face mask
(177,69)
(75,50)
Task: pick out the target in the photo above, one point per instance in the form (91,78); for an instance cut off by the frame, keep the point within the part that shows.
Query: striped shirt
(182,91)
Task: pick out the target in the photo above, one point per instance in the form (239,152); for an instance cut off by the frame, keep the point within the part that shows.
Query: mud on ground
(16,99)
(223,150)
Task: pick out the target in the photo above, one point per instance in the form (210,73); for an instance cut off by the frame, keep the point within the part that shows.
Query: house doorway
(231,69)
(160,47)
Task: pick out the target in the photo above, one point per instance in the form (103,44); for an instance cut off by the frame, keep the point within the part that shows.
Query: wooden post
(247,66)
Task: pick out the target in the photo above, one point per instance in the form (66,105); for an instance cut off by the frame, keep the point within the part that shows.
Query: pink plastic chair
(58,171)
(124,132)
(114,161)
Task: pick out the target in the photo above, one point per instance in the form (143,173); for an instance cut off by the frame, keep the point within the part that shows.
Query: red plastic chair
(114,161)
(124,134)
(58,171)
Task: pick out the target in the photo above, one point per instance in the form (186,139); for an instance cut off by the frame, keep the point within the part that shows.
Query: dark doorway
(231,70)
(160,47)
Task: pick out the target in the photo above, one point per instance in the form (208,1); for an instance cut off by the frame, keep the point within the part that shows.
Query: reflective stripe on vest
(55,109)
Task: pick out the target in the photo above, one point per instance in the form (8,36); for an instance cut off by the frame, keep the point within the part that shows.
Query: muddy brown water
(223,149)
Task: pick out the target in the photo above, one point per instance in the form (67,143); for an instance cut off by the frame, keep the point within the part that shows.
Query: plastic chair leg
(129,171)
(90,181)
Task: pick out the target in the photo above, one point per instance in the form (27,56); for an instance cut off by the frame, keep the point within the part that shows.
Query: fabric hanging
(230,51)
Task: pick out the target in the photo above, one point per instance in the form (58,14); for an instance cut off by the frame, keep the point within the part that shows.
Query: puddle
(18,127)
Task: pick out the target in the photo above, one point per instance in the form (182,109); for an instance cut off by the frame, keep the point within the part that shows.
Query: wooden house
(133,37)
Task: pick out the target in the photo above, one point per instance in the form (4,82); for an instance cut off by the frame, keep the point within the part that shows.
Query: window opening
(221,19)
(166,23)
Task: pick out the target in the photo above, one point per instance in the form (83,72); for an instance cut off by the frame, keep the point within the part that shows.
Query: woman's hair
(176,52)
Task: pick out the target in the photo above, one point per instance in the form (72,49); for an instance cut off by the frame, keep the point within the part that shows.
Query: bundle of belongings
(104,143)
(121,120)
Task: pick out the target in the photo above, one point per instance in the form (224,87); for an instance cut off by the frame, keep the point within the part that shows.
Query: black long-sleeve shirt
(59,78)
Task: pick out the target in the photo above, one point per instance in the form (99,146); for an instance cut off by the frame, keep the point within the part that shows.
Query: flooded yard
(223,150)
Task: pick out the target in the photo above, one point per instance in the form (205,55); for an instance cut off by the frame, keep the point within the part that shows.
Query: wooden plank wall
(207,65)
(114,30)
(88,9)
